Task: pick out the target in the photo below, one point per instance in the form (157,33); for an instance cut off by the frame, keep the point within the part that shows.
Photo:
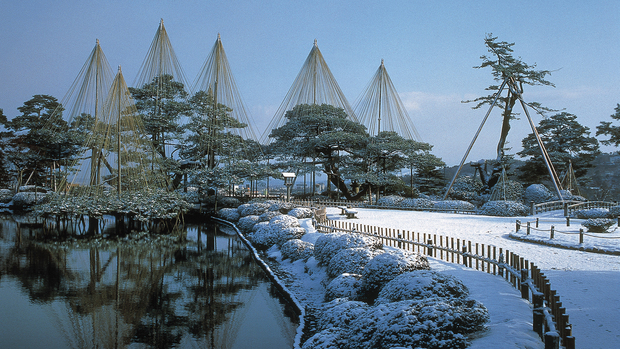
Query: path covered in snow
(588,283)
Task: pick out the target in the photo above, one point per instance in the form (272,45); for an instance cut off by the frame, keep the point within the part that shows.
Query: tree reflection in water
(200,293)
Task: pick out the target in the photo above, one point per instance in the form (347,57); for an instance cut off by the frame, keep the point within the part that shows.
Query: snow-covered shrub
(24,199)
(283,221)
(417,203)
(328,245)
(598,225)
(504,209)
(567,195)
(508,190)
(537,193)
(390,200)
(384,267)
(263,237)
(454,205)
(285,234)
(350,260)
(327,339)
(229,214)
(260,225)
(268,215)
(339,313)
(346,285)
(466,188)
(420,284)
(301,212)
(246,223)
(282,207)
(614,212)
(429,323)
(296,249)
(254,209)
(592,213)
(6,195)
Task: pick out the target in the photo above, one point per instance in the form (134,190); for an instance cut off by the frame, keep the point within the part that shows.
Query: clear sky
(429,48)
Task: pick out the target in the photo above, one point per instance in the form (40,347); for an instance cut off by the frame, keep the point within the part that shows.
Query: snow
(588,283)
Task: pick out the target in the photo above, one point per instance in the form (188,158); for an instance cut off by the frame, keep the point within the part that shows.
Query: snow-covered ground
(588,283)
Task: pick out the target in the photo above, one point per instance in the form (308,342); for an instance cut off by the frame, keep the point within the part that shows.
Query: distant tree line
(197,138)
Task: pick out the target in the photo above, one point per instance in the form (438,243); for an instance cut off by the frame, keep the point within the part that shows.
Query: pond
(208,293)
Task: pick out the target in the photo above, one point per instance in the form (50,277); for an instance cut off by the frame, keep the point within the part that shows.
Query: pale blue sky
(429,48)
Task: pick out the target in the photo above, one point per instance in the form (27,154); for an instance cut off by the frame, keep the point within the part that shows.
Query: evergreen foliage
(565,140)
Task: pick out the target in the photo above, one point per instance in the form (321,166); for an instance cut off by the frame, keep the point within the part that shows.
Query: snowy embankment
(359,292)
(588,283)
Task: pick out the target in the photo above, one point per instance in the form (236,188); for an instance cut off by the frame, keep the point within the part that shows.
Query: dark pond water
(207,294)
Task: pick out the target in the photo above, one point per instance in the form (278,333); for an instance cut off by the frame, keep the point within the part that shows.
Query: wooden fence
(550,320)
(354,204)
(571,209)
(535,225)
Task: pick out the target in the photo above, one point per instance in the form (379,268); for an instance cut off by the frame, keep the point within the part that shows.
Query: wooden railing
(571,209)
(550,320)
(353,204)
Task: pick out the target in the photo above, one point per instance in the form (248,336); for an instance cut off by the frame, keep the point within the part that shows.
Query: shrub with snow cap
(339,312)
(454,205)
(328,245)
(504,209)
(384,267)
(296,249)
(229,214)
(282,207)
(254,209)
(417,203)
(350,260)
(592,213)
(466,188)
(508,190)
(283,221)
(537,193)
(301,212)
(6,195)
(567,195)
(429,323)
(268,215)
(614,212)
(346,285)
(263,237)
(285,234)
(420,284)
(327,339)
(390,200)
(598,225)
(259,225)
(246,223)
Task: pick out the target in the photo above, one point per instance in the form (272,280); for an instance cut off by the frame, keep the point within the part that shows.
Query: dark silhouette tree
(566,140)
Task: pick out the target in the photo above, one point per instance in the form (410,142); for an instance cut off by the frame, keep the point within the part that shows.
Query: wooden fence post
(518,225)
(552,232)
(528,228)
(537,221)
(537,320)
(429,247)
(580,236)
(465,255)
(567,221)
(552,340)
(525,291)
